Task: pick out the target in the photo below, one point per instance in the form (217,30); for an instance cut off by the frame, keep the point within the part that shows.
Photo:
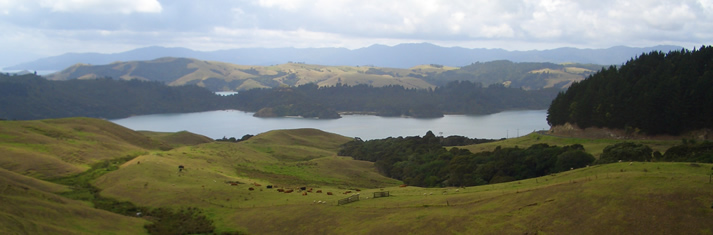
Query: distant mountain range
(399,56)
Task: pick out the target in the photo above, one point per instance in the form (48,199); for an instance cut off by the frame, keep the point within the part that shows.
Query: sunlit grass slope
(59,147)
(283,158)
(643,198)
(181,138)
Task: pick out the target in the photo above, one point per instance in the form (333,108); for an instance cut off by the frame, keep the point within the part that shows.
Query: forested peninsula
(655,93)
(30,97)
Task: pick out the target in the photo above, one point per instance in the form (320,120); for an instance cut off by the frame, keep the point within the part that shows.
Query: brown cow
(234,184)
(256,184)
(289,191)
(329,193)
(304,194)
(319,191)
(347,192)
(403,185)
(280,190)
(251,189)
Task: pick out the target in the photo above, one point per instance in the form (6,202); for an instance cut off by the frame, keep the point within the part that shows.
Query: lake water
(233,123)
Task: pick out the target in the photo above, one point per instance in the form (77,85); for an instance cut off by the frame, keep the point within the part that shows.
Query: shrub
(626,151)
(573,159)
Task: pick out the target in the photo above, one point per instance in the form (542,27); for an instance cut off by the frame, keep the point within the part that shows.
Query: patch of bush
(690,152)
(625,151)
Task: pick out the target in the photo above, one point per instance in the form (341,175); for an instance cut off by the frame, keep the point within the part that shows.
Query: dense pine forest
(655,93)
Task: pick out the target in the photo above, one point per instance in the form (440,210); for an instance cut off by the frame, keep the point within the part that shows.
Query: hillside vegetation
(655,93)
(29,97)
(220,76)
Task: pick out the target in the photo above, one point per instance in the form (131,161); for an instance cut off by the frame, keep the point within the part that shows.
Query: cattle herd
(302,190)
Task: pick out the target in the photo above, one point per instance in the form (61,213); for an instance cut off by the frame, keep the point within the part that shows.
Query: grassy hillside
(29,206)
(58,147)
(220,76)
(594,146)
(620,198)
(644,198)
(176,139)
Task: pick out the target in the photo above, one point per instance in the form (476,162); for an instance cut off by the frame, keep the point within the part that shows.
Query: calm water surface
(233,123)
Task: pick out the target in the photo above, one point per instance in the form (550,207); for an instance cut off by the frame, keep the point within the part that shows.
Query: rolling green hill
(58,147)
(220,76)
(618,198)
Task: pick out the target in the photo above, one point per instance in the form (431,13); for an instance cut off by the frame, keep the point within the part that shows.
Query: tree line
(462,97)
(423,161)
(655,93)
(28,97)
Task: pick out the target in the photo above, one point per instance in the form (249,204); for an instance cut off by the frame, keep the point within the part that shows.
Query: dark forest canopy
(31,97)
(422,161)
(656,93)
(460,97)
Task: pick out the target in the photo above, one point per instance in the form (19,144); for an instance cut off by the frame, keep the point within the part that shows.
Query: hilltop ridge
(398,56)
(222,76)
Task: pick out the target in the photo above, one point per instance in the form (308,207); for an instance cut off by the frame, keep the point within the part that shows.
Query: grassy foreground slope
(620,198)
(59,147)
(29,206)
(643,198)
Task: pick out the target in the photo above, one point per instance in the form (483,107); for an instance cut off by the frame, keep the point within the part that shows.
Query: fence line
(350,199)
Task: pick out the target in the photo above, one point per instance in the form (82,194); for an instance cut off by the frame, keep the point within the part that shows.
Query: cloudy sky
(38,28)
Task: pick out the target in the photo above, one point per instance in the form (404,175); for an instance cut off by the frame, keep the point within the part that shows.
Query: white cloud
(103,6)
(81,25)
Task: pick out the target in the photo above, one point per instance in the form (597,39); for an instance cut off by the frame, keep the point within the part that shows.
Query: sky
(32,29)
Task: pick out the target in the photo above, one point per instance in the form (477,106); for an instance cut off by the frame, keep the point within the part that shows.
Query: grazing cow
(347,192)
(403,185)
(304,194)
(289,191)
(303,188)
(280,190)
(234,184)
(329,193)
(256,184)
(319,191)
(251,189)
(358,190)
(269,186)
